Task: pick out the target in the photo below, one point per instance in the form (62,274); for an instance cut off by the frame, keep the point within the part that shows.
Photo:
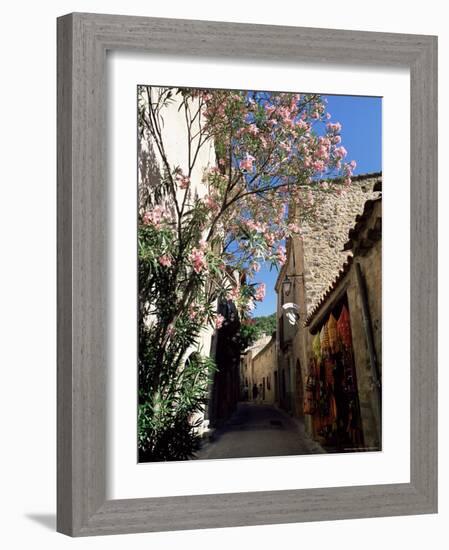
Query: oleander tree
(204,241)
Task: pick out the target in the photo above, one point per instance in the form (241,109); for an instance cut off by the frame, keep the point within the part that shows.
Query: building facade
(264,373)
(248,375)
(315,261)
(344,337)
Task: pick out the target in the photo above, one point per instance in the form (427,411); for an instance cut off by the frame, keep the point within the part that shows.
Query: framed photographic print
(246,274)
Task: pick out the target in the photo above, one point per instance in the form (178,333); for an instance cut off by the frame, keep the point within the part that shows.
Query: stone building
(324,236)
(290,310)
(314,260)
(357,289)
(247,375)
(264,372)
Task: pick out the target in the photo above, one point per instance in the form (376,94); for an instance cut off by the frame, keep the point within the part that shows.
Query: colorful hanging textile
(333,411)
(344,327)
(334,342)
(316,346)
(324,338)
(329,366)
(311,388)
(309,397)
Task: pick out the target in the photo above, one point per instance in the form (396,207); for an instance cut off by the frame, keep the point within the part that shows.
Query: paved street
(258,430)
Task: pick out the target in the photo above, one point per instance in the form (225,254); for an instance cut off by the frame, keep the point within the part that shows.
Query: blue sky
(361,120)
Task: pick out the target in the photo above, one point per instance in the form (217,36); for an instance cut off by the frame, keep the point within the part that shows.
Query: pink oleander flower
(192,313)
(269,239)
(333,127)
(165,260)
(336,140)
(211,202)
(347,169)
(154,216)
(251,225)
(340,152)
(318,165)
(219,320)
(206,96)
(233,294)
(294,228)
(255,266)
(260,292)
(324,141)
(281,256)
(183,181)
(322,152)
(247,163)
(253,129)
(294,100)
(259,227)
(197,260)
(353,164)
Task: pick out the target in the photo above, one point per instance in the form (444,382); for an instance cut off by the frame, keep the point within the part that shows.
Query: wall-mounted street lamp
(287,282)
(290,310)
(286,285)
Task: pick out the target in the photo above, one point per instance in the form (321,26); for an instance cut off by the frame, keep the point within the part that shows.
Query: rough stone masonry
(325,235)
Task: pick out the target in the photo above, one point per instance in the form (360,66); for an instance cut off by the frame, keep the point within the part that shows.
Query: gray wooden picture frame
(83,40)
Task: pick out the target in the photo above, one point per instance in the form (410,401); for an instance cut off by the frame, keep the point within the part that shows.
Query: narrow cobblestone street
(258,430)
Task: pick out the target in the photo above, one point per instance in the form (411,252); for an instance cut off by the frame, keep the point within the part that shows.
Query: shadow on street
(256,430)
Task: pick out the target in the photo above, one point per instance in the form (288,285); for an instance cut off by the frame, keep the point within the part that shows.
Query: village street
(260,276)
(256,430)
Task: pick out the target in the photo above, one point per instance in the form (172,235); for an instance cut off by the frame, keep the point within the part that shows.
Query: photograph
(259,246)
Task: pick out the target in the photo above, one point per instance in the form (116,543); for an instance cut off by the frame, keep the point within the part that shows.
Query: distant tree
(266,324)
(248,334)
(253,328)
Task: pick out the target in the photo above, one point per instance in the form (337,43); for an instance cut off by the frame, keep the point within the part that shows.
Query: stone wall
(264,365)
(368,260)
(247,365)
(324,237)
